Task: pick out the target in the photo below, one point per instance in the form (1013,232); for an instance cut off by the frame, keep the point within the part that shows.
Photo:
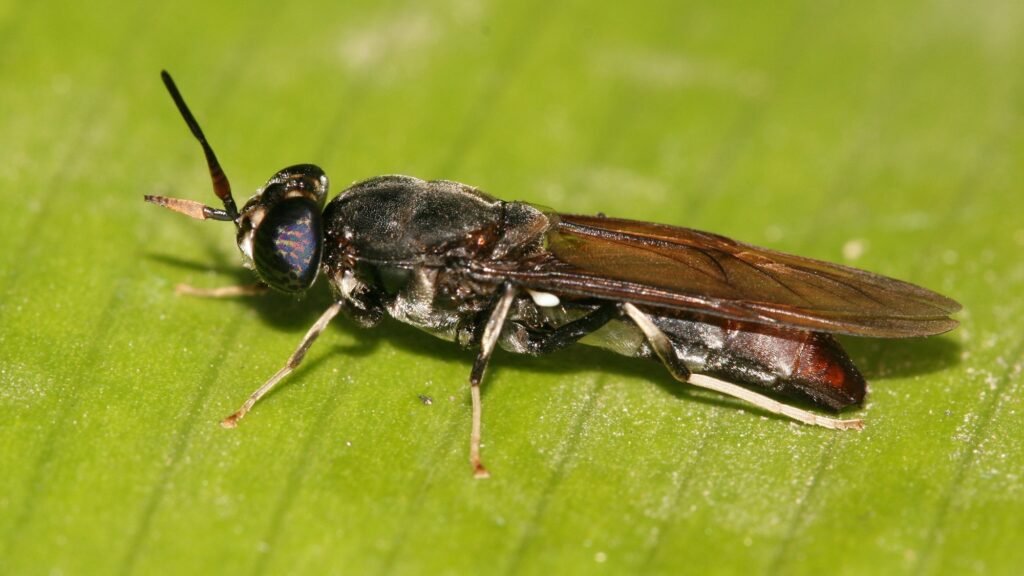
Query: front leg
(256,289)
(293,361)
(492,330)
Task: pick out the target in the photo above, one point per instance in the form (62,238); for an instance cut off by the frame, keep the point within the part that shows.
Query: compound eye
(287,245)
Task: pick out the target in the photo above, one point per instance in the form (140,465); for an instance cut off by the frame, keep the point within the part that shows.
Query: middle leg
(537,343)
(492,330)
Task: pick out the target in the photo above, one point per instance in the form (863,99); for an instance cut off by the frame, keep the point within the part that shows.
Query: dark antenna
(221,186)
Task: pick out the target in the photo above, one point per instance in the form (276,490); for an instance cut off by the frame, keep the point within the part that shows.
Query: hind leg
(672,359)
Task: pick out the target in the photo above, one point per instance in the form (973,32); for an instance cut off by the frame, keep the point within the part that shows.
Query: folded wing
(679,268)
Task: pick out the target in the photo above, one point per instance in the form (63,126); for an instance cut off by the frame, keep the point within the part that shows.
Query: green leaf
(883,135)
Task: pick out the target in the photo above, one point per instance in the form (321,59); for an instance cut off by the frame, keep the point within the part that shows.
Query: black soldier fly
(481,272)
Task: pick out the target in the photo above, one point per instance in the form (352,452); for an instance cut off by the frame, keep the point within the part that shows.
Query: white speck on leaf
(854,249)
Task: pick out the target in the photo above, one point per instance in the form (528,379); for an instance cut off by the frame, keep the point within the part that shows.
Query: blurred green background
(886,135)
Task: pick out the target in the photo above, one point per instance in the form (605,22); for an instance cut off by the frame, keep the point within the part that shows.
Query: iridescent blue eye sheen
(287,245)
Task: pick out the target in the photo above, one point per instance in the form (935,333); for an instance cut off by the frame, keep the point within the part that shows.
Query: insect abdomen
(810,365)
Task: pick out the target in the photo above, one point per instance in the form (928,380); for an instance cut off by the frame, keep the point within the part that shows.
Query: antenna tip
(190,208)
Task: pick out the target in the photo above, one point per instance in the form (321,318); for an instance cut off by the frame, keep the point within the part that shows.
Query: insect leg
(256,289)
(670,357)
(490,338)
(293,361)
(538,343)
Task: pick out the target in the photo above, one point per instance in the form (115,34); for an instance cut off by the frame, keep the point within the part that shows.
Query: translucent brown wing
(680,268)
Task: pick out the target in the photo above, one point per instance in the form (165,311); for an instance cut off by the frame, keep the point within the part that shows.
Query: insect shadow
(903,358)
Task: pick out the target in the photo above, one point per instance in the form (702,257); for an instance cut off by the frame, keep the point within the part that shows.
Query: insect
(748,322)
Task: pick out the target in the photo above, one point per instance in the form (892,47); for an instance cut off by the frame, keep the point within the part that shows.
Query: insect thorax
(405,246)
